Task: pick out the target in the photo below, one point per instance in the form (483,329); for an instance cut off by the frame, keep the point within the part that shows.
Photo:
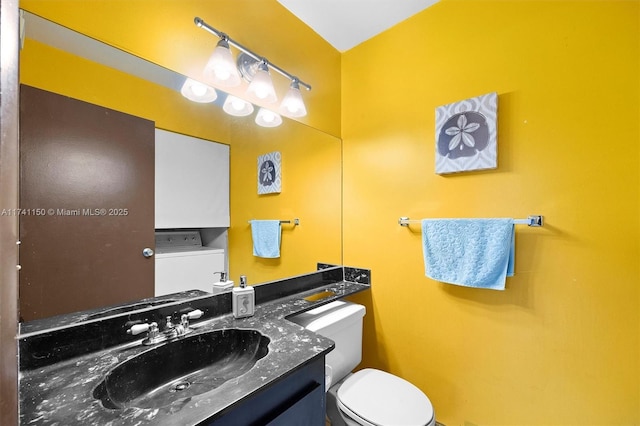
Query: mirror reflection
(101,76)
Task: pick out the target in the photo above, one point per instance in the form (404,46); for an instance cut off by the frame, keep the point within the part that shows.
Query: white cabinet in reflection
(191,182)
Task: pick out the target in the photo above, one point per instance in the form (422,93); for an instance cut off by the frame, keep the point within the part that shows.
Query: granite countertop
(62,393)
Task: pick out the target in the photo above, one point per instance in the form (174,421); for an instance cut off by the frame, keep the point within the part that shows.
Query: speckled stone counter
(62,393)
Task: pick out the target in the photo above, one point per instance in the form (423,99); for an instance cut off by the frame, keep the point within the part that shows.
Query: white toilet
(368,397)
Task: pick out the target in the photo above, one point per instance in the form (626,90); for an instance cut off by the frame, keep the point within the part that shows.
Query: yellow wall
(311,191)
(163,32)
(561,344)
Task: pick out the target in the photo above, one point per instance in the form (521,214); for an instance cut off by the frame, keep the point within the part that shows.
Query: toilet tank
(341,322)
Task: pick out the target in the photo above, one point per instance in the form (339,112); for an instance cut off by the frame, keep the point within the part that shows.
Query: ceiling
(347,23)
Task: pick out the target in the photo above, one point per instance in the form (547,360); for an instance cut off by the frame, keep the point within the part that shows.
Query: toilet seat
(376,398)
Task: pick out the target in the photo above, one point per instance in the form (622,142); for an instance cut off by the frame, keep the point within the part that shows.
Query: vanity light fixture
(198,92)
(268,118)
(236,106)
(255,68)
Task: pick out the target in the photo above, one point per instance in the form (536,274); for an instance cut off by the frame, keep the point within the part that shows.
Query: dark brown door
(87,205)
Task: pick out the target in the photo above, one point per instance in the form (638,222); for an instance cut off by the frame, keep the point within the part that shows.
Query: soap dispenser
(243,299)
(223,285)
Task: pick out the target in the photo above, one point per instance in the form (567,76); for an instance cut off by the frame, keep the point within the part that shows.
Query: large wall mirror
(59,60)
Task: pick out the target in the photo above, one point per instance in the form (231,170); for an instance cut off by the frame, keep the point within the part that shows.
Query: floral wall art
(270,173)
(466,135)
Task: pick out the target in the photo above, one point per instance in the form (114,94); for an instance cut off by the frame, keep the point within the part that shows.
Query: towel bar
(295,221)
(533,220)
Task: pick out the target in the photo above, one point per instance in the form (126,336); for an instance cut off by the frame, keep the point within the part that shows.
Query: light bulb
(236,106)
(198,89)
(222,73)
(221,68)
(292,104)
(262,92)
(198,92)
(267,118)
(261,87)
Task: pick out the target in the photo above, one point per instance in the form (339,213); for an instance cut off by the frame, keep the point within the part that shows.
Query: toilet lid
(381,398)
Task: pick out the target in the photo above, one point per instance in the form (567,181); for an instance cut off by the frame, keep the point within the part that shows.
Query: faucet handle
(195,314)
(141,328)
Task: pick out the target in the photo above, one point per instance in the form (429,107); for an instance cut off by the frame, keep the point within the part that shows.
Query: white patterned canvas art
(466,135)
(270,173)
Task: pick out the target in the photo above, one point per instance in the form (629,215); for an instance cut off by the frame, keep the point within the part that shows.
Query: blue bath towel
(469,252)
(266,238)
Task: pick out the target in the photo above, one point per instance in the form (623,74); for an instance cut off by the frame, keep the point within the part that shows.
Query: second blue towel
(266,238)
(469,252)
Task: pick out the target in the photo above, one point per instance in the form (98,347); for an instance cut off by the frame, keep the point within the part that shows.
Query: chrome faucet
(171,330)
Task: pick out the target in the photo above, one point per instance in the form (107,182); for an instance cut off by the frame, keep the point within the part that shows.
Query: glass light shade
(221,68)
(236,106)
(268,118)
(292,105)
(261,87)
(198,92)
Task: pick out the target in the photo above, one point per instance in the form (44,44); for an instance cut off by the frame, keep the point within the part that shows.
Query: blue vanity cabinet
(296,399)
